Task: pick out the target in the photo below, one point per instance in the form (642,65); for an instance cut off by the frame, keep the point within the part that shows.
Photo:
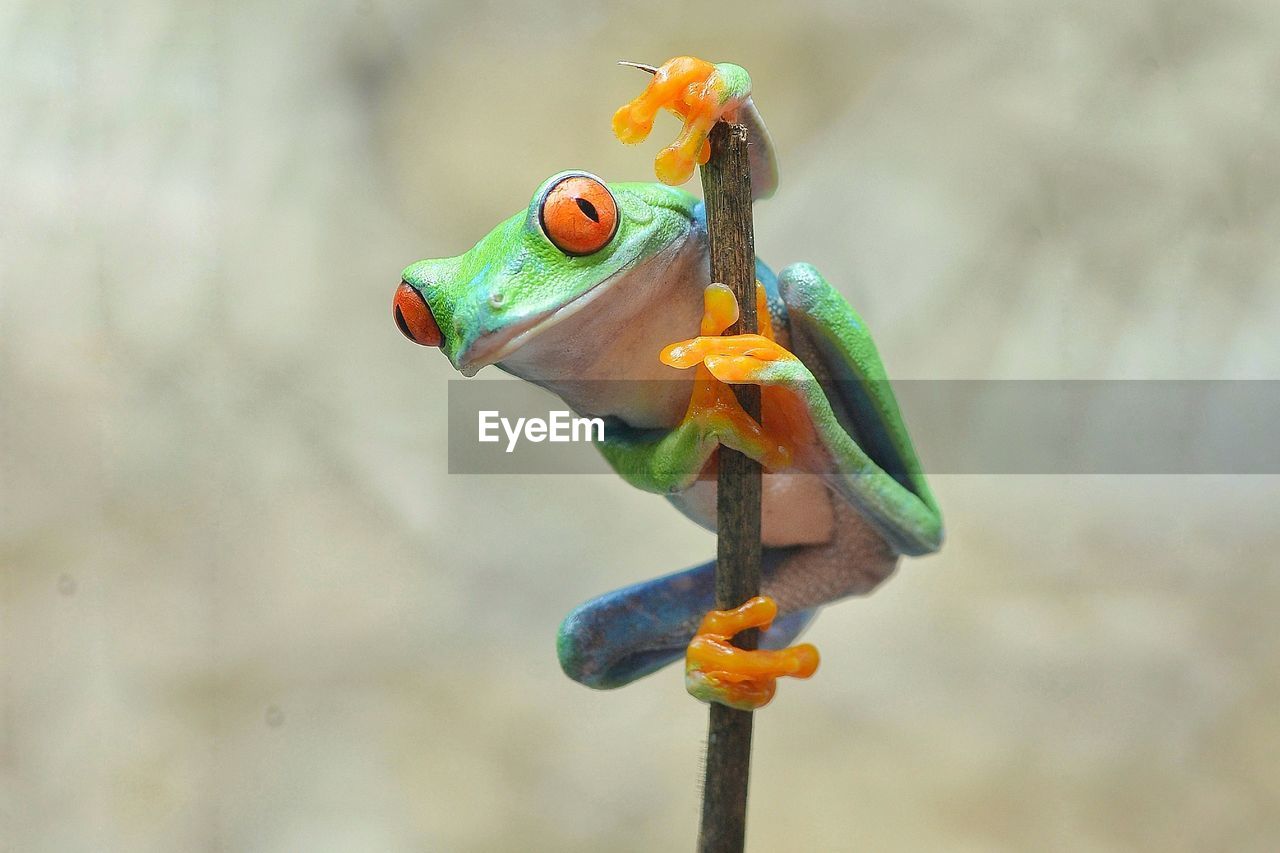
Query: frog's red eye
(579,215)
(414,318)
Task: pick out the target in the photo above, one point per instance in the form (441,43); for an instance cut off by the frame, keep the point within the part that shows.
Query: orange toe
(718,671)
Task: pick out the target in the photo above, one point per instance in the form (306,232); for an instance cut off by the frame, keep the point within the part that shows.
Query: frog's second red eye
(414,318)
(579,215)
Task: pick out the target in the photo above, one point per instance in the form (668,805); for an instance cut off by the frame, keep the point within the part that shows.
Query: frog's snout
(414,318)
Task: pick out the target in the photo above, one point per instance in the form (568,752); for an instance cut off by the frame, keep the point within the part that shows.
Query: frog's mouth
(493,348)
(497,346)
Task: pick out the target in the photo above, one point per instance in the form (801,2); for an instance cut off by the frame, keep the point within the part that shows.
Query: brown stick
(726,184)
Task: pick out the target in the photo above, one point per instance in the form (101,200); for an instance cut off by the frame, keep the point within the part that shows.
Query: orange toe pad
(718,671)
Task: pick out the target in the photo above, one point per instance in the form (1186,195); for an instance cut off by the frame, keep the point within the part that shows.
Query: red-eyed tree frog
(596,281)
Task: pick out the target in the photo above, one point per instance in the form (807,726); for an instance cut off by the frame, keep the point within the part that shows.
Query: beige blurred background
(245,608)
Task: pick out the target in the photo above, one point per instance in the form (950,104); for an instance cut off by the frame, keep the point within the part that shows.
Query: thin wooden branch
(726,185)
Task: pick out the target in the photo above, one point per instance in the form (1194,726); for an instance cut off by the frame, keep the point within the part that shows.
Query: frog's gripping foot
(721,359)
(718,671)
(700,94)
(734,359)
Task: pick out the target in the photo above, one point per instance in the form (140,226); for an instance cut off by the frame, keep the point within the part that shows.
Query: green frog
(601,293)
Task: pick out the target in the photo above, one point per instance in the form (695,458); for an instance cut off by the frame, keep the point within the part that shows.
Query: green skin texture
(734,82)
(535,279)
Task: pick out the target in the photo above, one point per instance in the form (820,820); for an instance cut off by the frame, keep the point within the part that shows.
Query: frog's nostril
(414,318)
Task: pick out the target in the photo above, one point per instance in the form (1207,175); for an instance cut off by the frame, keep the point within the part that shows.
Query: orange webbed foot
(700,94)
(733,358)
(730,358)
(718,671)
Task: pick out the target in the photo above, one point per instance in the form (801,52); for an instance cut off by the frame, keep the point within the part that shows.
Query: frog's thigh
(795,508)
(854,562)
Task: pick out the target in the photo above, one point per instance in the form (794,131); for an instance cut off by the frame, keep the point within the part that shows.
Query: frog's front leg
(701,94)
(668,462)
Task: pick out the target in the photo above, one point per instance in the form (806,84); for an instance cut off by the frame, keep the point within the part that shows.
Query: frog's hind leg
(628,633)
(871,461)
(634,631)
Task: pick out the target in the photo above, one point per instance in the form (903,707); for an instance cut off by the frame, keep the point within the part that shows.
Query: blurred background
(244,607)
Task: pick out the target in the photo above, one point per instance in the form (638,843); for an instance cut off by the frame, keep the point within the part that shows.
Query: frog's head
(576,238)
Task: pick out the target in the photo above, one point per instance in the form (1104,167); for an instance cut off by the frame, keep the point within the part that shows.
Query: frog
(601,293)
